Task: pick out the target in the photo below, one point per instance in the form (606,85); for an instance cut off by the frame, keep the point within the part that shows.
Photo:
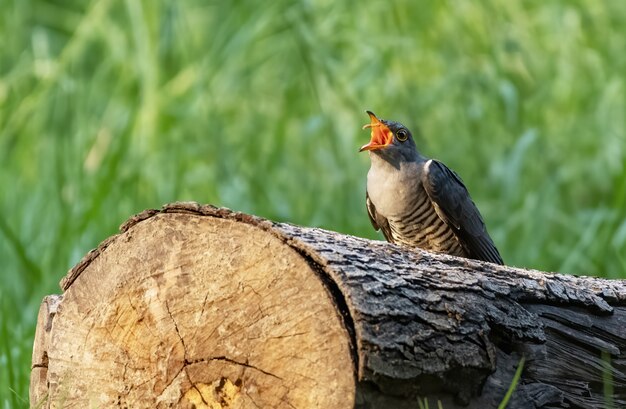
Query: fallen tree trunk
(195,306)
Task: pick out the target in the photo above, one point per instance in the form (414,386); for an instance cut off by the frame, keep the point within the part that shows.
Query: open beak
(381,134)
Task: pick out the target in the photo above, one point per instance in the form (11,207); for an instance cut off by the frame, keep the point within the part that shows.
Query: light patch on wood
(221,394)
(181,300)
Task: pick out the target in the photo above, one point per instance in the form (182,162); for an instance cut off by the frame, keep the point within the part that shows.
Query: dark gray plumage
(418,201)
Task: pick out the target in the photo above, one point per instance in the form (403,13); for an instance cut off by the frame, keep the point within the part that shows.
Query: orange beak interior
(381,134)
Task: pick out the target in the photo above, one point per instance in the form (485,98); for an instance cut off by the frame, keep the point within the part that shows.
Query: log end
(192,311)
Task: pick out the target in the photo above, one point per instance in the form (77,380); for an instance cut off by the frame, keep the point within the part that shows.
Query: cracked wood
(195,305)
(190,311)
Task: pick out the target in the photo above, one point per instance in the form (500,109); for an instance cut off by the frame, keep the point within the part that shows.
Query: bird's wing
(378,221)
(455,207)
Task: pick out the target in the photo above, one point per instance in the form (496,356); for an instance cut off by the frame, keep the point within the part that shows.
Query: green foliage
(110,107)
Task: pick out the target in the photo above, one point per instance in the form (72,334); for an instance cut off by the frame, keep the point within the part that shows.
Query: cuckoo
(417,201)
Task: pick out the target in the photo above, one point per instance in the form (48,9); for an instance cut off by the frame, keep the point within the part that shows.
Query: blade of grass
(513,385)
(607,380)
(422,403)
(29,267)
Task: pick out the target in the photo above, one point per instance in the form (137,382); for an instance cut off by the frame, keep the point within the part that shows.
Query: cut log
(201,307)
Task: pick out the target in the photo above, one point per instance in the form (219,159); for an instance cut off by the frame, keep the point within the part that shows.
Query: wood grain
(193,305)
(190,311)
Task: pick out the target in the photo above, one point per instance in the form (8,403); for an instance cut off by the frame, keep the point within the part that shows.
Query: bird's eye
(402,135)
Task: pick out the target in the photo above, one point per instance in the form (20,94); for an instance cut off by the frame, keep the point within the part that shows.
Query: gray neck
(394,183)
(395,158)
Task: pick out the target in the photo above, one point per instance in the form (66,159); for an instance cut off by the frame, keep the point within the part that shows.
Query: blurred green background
(111,107)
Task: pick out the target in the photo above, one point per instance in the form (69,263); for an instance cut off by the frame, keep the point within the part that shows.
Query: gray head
(391,141)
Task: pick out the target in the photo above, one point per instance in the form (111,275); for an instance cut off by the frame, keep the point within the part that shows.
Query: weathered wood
(39,367)
(195,305)
(190,311)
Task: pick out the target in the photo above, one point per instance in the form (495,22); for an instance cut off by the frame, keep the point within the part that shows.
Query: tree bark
(197,306)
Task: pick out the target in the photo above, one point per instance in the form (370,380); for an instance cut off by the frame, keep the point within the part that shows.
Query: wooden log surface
(197,306)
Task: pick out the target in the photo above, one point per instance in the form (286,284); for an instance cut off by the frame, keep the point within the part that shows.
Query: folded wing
(456,208)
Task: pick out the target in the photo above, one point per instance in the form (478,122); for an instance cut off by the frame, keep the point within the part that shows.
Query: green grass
(422,403)
(110,107)
(513,385)
(607,380)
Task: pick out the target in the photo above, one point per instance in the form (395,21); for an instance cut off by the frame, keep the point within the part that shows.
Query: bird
(420,202)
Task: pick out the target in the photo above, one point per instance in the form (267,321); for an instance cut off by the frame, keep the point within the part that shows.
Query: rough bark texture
(203,307)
